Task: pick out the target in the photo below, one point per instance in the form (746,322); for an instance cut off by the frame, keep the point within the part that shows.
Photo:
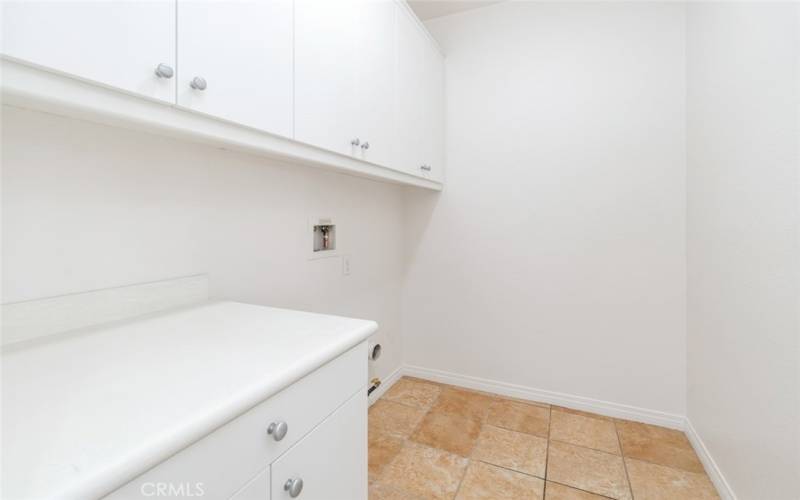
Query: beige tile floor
(433,441)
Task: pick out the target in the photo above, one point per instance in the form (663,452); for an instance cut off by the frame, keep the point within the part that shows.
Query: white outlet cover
(346,265)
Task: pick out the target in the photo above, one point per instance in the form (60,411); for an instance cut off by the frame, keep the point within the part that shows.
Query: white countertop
(87,412)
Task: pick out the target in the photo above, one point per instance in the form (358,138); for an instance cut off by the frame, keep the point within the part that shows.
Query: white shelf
(31,87)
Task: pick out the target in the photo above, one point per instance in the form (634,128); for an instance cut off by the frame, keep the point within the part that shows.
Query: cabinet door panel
(114,42)
(331,460)
(433,104)
(376,77)
(326,72)
(344,76)
(409,154)
(243,50)
(419,96)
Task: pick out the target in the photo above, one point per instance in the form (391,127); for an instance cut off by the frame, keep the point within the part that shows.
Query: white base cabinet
(319,437)
(331,461)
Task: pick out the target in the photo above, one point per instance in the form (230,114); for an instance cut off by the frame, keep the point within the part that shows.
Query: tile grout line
(461,481)
(506,428)
(585,415)
(547,450)
(624,465)
(543,479)
(487,424)
(591,449)
(581,489)
(506,468)
(678,469)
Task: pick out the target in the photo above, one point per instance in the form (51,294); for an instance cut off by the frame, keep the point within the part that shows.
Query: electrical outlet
(346,265)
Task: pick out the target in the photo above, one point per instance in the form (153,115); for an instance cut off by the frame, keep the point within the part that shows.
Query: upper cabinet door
(236,61)
(344,52)
(375,56)
(419,123)
(433,103)
(114,42)
(326,72)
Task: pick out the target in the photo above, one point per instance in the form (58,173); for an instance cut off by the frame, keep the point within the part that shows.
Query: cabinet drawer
(331,461)
(224,461)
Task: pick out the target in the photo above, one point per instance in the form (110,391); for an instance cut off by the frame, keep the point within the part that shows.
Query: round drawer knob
(198,83)
(164,71)
(294,487)
(278,431)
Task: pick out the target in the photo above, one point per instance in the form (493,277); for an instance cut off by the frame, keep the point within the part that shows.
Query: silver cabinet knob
(426,168)
(278,430)
(294,487)
(365,146)
(355,142)
(198,83)
(164,71)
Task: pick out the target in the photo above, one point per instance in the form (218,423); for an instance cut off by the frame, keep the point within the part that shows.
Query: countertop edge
(127,468)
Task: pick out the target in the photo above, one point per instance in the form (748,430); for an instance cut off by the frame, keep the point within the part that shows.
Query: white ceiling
(428,9)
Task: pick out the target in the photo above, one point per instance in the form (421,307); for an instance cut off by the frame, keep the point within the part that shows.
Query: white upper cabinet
(375,57)
(419,97)
(326,73)
(344,76)
(114,42)
(329,81)
(235,61)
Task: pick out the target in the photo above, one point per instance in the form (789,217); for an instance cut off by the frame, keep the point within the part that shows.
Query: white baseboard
(712,469)
(386,384)
(616,410)
(607,408)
